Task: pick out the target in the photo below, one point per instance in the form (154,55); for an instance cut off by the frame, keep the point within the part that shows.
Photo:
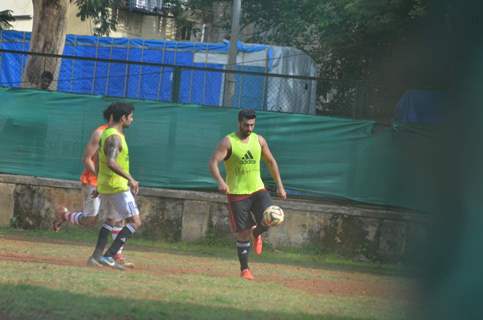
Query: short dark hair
(246,114)
(107,113)
(117,110)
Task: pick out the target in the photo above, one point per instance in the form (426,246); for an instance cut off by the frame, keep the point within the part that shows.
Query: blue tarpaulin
(421,106)
(136,81)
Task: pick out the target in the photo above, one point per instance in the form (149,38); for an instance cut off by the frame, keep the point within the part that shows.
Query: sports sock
(106,229)
(74,217)
(259,229)
(115,232)
(121,239)
(243,249)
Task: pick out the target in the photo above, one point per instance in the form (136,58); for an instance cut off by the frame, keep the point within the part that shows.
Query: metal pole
(203,98)
(106,90)
(229,88)
(93,84)
(141,68)
(1,55)
(176,84)
(24,41)
(127,71)
(72,66)
(161,72)
(265,83)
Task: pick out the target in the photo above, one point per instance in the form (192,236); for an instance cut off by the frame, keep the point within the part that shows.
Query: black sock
(121,239)
(243,249)
(104,233)
(259,229)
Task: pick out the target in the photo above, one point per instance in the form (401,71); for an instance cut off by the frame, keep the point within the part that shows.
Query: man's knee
(138,224)
(111,222)
(118,223)
(135,220)
(243,235)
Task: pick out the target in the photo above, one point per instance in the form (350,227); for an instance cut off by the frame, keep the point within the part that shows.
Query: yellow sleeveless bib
(243,165)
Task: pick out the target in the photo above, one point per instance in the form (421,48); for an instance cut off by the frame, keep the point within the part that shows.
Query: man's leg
(240,223)
(133,223)
(93,260)
(86,217)
(243,251)
(126,208)
(261,201)
(106,229)
(119,257)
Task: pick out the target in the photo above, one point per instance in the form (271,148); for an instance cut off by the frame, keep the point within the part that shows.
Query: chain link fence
(168,82)
(356,100)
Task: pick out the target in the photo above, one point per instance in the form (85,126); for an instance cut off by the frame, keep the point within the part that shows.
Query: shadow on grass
(19,302)
(219,248)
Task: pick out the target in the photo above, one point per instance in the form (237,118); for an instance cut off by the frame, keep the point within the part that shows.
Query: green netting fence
(44,133)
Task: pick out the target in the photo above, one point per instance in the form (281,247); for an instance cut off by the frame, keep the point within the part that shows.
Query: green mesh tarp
(44,134)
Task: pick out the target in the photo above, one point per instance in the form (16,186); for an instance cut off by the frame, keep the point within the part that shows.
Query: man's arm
(272,166)
(96,161)
(218,156)
(112,148)
(90,152)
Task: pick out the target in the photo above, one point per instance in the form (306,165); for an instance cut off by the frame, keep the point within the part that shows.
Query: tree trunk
(220,12)
(48,36)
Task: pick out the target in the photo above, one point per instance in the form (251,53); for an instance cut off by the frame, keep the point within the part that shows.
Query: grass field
(43,276)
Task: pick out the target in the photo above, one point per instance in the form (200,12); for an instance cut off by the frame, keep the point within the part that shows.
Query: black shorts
(247,210)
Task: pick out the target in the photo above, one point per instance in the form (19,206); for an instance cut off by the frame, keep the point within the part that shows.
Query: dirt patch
(340,284)
(347,288)
(46,260)
(312,286)
(4,316)
(43,240)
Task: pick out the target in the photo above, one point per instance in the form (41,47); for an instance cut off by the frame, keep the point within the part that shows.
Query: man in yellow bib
(241,152)
(89,215)
(115,185)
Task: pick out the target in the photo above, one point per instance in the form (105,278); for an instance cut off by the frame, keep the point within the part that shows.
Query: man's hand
(94,194)
(134,185)
(281,193)
(223,187)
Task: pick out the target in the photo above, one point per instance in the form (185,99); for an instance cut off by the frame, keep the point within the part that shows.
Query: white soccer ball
(273,216)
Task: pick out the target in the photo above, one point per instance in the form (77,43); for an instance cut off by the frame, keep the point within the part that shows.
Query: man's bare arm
(90,152)
(112,148)
(96,161)
(219,154)
(272,167)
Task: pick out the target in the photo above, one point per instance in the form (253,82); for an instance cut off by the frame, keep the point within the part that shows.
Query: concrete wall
(175,215)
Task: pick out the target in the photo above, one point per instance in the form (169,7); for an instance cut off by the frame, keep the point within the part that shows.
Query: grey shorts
(247,210)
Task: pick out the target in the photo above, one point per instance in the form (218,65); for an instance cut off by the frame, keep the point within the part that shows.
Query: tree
(48,32)
(350,40)
(347,38)
(343,36)
(48,36)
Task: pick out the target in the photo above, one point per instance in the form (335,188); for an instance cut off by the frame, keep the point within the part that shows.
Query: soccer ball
(272,216)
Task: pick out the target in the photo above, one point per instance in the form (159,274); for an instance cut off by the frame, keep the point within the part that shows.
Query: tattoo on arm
(112,147)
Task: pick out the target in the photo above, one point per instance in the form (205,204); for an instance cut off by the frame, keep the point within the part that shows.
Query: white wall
(131,24)
(19,7)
